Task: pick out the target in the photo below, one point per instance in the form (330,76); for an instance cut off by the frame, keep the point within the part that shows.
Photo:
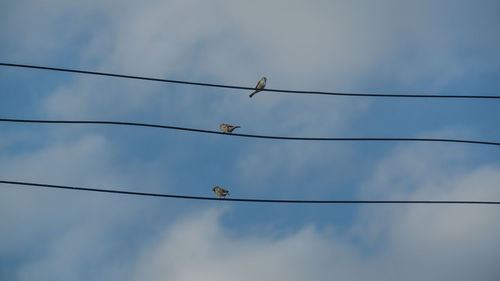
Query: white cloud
(410,242)
(321,45)
(200,248)
(444,242)
(417,243)
(31,215)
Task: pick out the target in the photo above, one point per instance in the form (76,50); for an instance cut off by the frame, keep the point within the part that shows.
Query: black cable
(249,88)
(244,135)
(251,200)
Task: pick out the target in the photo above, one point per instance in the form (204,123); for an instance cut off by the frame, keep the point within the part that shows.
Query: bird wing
(260,84)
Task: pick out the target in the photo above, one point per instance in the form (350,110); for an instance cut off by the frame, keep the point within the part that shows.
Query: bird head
(213,189)
(265,79)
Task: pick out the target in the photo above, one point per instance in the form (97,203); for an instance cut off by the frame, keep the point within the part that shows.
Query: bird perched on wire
(219,191)
(260,85)
(226,128)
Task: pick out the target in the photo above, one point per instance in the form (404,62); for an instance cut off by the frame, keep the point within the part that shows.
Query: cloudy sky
(384,46)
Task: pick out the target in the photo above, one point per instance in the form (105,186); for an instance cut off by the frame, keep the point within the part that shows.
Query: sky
(383,46)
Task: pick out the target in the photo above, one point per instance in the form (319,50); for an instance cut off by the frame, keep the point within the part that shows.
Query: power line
(30,184)
(246,135)
(249,88)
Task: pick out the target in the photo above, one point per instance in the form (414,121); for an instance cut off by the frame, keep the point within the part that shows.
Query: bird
(226,128)
(219,191)
(260,85)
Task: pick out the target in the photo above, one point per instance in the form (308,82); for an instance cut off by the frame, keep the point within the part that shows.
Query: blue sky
(441,47)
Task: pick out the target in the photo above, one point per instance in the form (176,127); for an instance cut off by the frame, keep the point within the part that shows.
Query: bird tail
(237,127)
(254,92)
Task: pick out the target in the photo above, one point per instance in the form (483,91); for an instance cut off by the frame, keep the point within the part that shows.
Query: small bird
(219,191)
(226,128)
(260,85)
